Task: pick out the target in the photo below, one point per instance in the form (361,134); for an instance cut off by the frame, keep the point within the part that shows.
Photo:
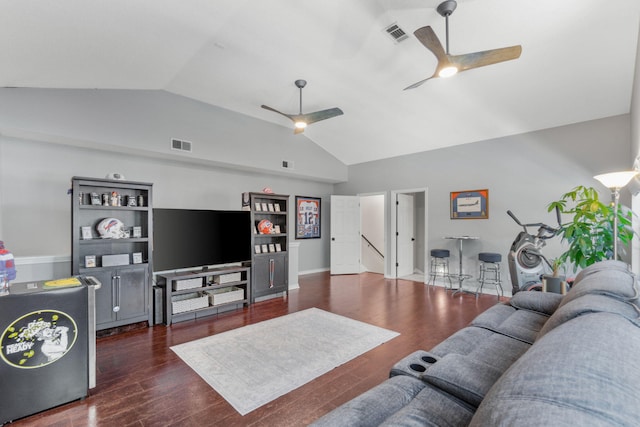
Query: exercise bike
(527,264)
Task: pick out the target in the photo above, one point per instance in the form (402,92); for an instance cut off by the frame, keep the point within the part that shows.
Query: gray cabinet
(270,257)
(270,273)
(123,261)
(121,300)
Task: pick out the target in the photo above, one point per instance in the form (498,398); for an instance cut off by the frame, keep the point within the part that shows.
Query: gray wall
(523,173)
(48,136)
(144,121)
(36,208)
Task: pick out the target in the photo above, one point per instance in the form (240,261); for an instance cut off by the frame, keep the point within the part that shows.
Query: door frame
(390,265)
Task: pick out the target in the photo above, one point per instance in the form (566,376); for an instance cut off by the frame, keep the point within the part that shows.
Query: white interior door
(345,235)
(405,238)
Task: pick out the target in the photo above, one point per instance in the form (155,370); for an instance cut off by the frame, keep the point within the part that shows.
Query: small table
(461,276)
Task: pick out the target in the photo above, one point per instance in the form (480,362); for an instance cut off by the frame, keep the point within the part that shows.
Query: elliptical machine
(526,263)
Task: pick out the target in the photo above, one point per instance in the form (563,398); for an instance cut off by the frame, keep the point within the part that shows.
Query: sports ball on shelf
(265,227)
(111,228)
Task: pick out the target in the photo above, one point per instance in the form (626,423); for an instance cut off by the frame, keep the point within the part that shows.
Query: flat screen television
(189,238)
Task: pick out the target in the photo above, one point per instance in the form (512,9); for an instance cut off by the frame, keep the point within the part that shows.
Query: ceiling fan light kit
(301,121)
(448,71)
(449,65)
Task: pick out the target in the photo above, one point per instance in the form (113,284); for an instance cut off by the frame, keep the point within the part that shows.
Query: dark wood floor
(141,382)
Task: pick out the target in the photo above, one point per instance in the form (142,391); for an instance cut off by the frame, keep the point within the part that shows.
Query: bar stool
(490,272)
(439,266)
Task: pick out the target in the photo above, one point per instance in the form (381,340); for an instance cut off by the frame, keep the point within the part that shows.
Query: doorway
(372,234)
(348,247)
(408,233)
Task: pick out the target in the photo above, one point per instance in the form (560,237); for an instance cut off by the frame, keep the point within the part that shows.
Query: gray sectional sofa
(542,359)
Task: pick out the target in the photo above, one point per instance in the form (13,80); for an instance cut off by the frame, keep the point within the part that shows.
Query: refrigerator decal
(38,339)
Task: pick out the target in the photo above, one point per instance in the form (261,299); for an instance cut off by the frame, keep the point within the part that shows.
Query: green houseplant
(589,233)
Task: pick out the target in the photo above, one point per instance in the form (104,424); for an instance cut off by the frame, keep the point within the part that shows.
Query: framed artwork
(470,204)
(307,217)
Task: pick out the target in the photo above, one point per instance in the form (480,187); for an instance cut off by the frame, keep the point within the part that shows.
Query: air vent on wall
(287,164)
(396,33)
(178,144)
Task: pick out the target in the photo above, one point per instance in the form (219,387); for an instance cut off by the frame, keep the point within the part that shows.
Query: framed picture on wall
(469,204)
(307,217)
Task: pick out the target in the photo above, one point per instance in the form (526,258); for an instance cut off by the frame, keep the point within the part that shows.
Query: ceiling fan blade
(320,115)
(487,57)
(290,117)
(428,38)
(415,85)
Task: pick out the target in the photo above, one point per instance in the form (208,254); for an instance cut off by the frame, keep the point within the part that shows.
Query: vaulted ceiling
(577,62)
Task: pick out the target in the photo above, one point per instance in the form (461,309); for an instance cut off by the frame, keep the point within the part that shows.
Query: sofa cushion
(590,303)
(431,407)
(375,405)
(585,372)
(463,377)
(463,341)
(540,302)
(601,266)
(614,283)
(484,345)
(504,319)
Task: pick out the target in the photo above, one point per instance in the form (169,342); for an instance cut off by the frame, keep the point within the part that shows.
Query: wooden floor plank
(141,382)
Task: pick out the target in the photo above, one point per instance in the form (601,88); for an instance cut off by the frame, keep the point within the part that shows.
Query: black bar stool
(439,267)
(490,272)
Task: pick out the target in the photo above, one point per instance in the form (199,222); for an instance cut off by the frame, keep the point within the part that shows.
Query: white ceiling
(577,62)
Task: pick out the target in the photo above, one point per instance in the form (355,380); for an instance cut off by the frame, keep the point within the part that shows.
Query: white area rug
(258,363)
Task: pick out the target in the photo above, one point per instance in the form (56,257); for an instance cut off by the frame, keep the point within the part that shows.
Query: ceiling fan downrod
(300,84)
(445,9)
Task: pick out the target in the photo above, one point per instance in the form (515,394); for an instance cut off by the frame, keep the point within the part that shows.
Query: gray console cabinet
(270,257)
(125,295)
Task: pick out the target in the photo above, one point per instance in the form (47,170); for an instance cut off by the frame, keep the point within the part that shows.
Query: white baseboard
(319,270)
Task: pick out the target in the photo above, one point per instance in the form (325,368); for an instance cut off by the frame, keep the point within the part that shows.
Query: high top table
(461,276)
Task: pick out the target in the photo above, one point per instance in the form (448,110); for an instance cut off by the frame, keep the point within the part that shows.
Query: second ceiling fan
(301,121)
(448,64)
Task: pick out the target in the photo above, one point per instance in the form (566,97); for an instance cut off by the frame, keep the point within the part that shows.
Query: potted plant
(589,233)
(555,282)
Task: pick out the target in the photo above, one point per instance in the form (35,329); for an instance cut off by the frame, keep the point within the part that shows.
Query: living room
(50,133)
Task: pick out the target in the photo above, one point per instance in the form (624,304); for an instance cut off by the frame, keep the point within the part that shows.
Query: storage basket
(227,278)
(188,302)
(180,285)
(225,295)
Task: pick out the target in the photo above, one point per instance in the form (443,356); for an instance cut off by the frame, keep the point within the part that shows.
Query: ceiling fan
(301,121)
(448,64)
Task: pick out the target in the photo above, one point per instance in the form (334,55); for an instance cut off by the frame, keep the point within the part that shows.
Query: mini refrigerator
(44,347)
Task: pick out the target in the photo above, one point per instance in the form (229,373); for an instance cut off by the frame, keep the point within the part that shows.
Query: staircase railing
(371,245)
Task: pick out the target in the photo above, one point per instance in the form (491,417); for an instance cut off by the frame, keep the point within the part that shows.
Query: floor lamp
(615,181)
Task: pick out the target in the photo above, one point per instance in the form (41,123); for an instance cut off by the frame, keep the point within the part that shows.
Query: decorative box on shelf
(179,285)
(225,295)
(227,278)
(188,302)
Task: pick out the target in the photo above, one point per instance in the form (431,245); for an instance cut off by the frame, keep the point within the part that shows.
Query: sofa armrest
(541,302)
